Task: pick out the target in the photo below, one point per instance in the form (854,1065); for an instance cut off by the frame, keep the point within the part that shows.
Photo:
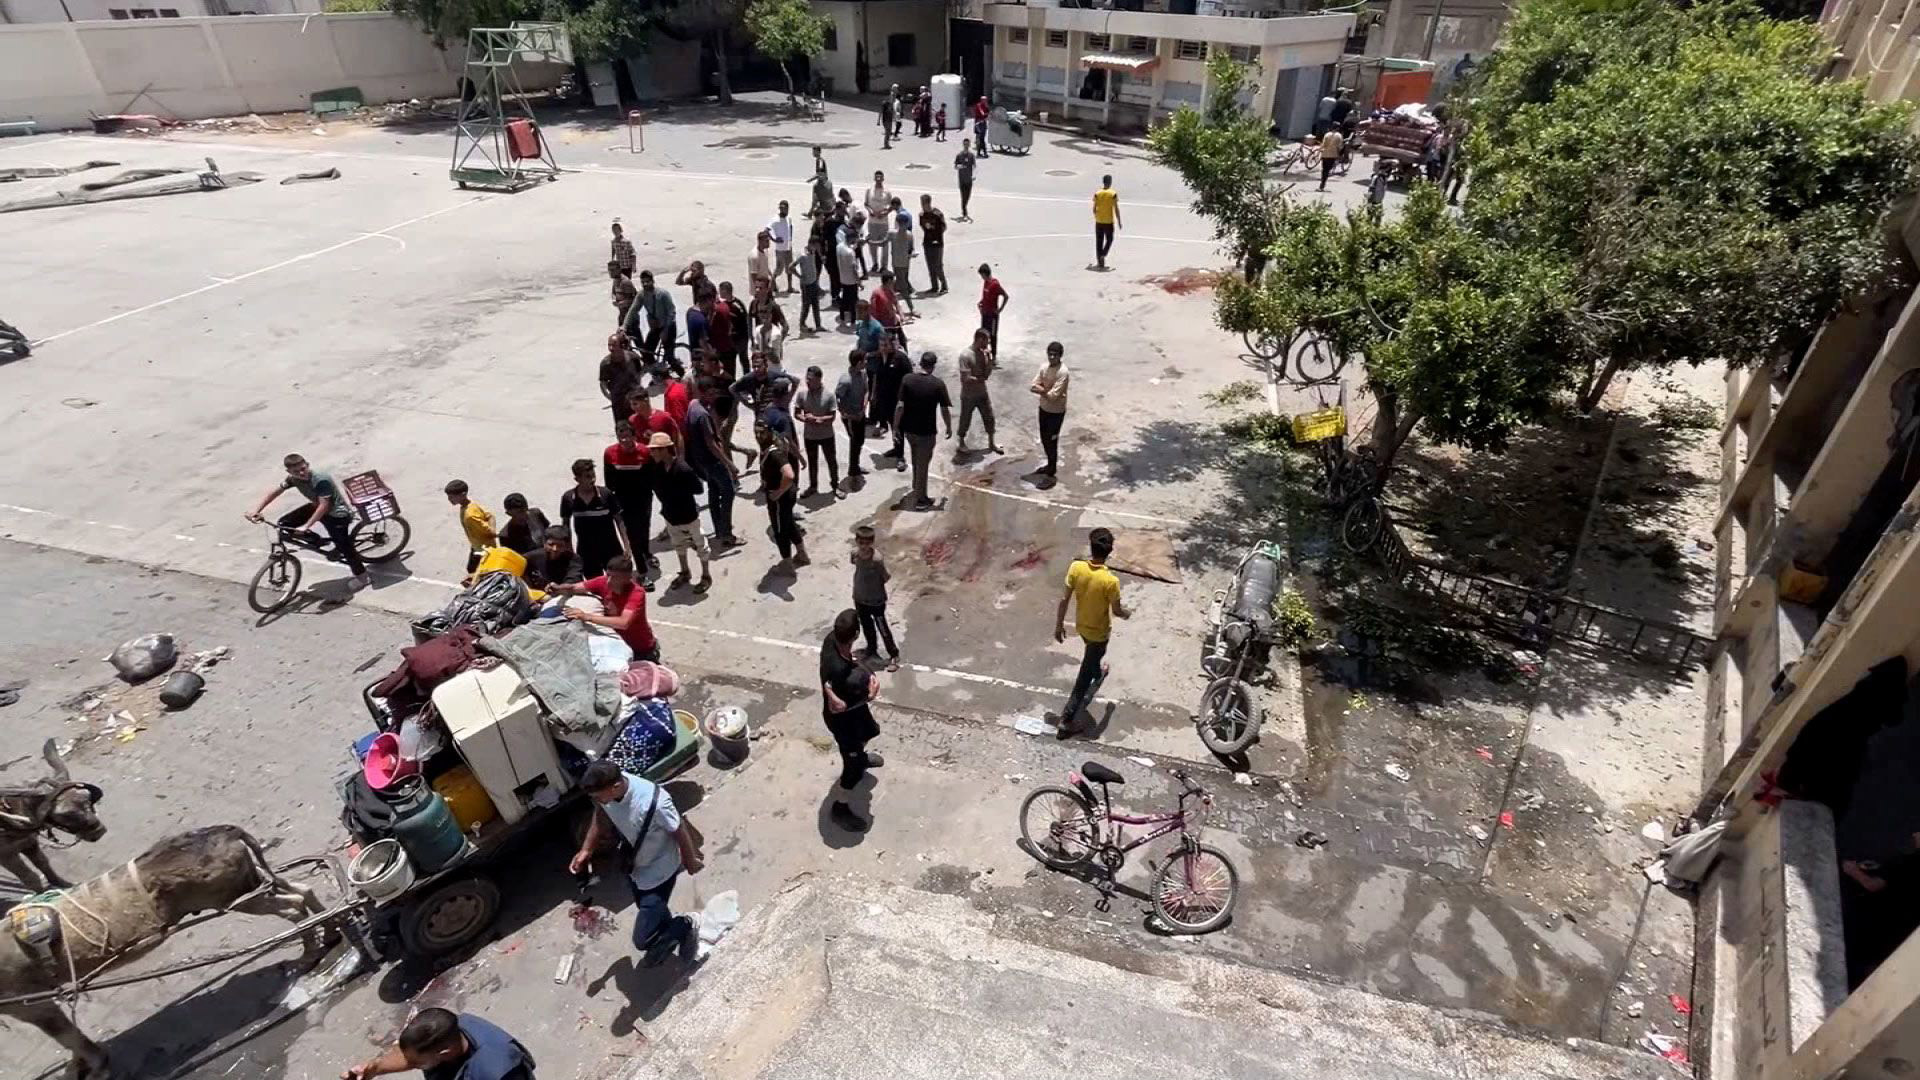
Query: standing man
(760,263)
(623,292)
(976,365)
(694,277)
(475,522)
(963,172)
(626,465)
(642,814)
(1332,144)
(623,603)
(448,1047)
(678,487)
(848,691)
(850,395)
(1342,109)
(622,252)
(887,368)
(815,408)
(846,263)
(981,110)
(879,203)
(887,106)
(822,187)
(993,301)
(1094,592)
(779,482)
(526,527)
(593,514)
(933,243)
(1050,386)
(709,459)
(809,265)
(781,229)
(325,507)
(884,302)
(1106,218)
(900,237)
(921,393)
(660,332)
(619,375)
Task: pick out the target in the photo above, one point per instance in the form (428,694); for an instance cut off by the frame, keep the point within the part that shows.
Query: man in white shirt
(642,814)
(879,203)
(781,229)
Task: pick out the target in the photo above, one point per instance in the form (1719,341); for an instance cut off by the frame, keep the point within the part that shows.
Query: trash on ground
(1635,1010)
(1015,778)
(565,971)
(1485,753)
(318,174)
(1506,819)
(1479,833)
(144,657)
(1243,779)
(1680,1005)
(1528,801)
(1143,762)
(1398,772)
(1309,839)
(719,916)
(182,688)
(1656,871)
(1032,725)
(1655,832)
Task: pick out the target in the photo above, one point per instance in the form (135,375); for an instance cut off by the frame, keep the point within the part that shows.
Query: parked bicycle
(1068,827)
(1303,155)
(1306,352)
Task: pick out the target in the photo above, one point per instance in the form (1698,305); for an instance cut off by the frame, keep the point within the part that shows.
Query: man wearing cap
(921,395)
(678,488)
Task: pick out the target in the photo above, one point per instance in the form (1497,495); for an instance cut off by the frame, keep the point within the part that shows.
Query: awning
(1119,62)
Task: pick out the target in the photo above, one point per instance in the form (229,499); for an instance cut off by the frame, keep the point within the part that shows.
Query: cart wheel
(449,917)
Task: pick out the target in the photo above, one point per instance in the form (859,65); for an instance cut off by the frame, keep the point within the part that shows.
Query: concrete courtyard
(388,320)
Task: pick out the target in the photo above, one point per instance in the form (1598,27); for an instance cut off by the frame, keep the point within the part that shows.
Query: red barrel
(523,139)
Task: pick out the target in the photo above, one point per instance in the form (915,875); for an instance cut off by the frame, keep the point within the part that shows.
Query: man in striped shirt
(622,254)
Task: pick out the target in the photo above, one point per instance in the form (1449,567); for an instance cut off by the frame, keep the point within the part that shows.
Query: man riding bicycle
(325,506)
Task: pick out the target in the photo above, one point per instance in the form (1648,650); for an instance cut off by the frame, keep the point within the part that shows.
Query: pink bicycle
(1069,827)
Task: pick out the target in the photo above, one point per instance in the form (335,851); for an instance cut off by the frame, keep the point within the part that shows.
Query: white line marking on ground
(221,283)
(1056,503)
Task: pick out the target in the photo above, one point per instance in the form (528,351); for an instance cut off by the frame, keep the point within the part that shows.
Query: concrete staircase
(844,979)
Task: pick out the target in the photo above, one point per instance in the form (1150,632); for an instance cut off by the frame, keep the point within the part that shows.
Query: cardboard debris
(1146,553)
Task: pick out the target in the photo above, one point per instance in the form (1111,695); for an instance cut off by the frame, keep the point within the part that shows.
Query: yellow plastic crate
(1319,424)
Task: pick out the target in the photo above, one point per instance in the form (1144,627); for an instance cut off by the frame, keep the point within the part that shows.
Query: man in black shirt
(526,527)
(593,513)
(555,563)
(619,375)
(933,245)
(848,691)
(921,395)
(677,487)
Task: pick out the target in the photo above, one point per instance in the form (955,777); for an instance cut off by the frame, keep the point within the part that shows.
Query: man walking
(619,375)
(933,244)
(815,408)
(709,459)
(658,336)
(976,365)
(625,463)
(1050,385)
(850,395)
(1332,144)
(1106,218)
(900,239)
(621,252)
(678,487)
(887,106)
(1094,592)
(847,691)
(921,394)
(642,814)
(444,1046)
(963,163)
(781,229)
(623,292)
(879,203)
(993,301)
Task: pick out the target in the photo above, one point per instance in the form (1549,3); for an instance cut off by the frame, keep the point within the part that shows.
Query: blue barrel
(427,830)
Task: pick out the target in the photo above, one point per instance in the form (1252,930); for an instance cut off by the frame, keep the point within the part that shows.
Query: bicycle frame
(1181,820)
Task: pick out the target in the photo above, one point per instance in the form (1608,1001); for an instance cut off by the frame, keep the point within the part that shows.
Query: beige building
(900,41)
(1805,971)
(1128,69)
(45,11)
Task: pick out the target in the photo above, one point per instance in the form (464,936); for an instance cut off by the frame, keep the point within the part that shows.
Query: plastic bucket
(384,764)
(381,870)
(727,731)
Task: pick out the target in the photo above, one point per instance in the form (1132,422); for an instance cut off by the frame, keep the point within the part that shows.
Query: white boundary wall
(58,74)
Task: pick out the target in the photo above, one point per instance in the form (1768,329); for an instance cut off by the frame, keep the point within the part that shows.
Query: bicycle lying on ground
(1068,827)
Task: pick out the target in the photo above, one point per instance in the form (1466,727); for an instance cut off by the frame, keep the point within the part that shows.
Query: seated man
(325,506)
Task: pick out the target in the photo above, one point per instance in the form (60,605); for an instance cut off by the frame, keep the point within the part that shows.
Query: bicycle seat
(1100,774)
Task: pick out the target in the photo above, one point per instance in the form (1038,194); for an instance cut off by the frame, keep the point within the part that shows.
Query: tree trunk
(1391,430)
(792,98)
(1596,387)
(720,76)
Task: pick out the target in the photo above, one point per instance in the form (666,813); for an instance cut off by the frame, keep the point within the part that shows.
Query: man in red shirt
(624,605)
(625,463)
(993,301)
(720,333)
(647,420)
(885,306)
(678,395)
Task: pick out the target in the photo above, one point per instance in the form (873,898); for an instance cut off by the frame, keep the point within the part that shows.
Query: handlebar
(1190,787)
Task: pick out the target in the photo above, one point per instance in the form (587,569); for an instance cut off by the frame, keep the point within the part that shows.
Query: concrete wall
(871,22)
(59,74)
(54,11)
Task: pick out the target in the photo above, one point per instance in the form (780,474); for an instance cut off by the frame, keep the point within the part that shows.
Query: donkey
(55,802)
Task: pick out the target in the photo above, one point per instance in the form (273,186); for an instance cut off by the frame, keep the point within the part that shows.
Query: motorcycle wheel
(1229,719)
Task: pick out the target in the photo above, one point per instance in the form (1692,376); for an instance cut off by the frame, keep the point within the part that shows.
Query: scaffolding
(496,143)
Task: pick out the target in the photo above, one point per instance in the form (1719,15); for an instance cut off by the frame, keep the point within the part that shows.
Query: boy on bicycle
(325,506)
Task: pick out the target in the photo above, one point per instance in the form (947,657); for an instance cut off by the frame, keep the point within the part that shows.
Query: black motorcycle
(1240,639)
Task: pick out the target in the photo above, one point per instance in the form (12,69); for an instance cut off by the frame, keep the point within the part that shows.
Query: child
(474,519)
(940,124)
(870,594)
(526,527)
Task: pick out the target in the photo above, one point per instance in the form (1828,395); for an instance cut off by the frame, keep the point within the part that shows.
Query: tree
(334,7)
(712,19)
(784,30)
(1716,200)
(449,20)
(605,29)
(1456,334)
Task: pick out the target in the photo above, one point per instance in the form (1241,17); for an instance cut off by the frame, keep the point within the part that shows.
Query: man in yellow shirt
(475,521)
(1094,592)
(1106,218)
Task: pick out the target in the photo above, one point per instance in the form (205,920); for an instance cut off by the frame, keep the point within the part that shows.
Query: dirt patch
(1187,279)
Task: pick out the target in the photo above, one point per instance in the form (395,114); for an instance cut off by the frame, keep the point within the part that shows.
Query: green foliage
(787,29)
(604,29)
(1234,393)
(1294,623)
(449,20)
(336,7)
(1262,430)
(1714,198)
(1223,154)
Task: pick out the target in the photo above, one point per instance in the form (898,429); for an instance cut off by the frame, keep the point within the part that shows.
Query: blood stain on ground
(1034,557)
(937,552)
(590,920)
(1185,280)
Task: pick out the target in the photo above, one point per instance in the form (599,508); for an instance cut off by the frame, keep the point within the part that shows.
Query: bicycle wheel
(1229,717)
(1195,890)
(1058,825)
(1360,528)
(1262,344)
(274,583)
(381,541)
(1314,360)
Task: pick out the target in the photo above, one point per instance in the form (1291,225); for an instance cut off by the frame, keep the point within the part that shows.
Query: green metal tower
(494,111)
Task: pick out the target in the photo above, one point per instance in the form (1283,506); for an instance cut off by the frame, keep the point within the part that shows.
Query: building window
(169,13)
(1056,39)
(1139,45)
(118,12)
(1016,35)
(1099,42)
(833,38)
(1190,50)
(1246,54)
(144,13)
(900,50)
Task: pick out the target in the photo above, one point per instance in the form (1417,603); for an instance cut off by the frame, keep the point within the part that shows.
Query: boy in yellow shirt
(1106,218)
(475,521)
(1094,592)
